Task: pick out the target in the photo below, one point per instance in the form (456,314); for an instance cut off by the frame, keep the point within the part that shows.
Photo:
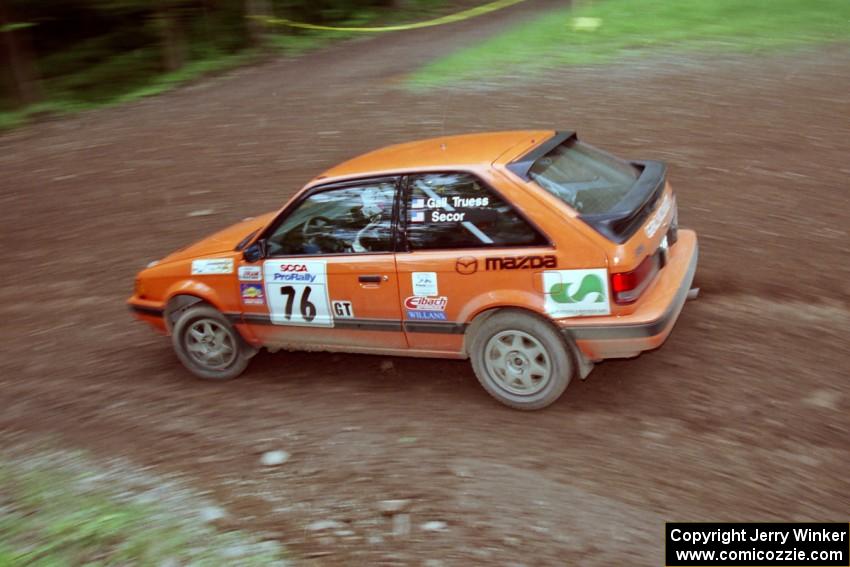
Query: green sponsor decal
(591,283)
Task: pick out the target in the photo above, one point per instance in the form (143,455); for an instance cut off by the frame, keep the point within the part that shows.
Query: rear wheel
(208,345)
(521,359)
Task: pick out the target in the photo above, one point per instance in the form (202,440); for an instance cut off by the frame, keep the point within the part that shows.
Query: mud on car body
(530,253)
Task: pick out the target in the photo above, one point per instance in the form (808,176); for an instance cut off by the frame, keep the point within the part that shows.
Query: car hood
(222,241)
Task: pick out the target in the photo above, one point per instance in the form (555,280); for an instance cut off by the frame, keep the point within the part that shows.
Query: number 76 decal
(297,293)
(308,310)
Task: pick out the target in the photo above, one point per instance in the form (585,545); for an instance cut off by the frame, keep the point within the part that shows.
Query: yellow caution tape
(451,18)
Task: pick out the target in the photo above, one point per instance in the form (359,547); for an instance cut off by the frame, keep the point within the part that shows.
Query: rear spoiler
(523,164)
(627,216)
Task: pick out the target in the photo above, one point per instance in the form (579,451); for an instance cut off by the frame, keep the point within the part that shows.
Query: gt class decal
(343,309)
(574,293)
(297,293)
(420,308)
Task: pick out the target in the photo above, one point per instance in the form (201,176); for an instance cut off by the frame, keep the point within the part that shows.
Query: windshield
(587,179)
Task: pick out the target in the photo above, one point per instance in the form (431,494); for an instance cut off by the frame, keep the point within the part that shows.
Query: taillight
(627,286)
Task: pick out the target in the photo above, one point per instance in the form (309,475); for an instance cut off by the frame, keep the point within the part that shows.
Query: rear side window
(456,210)
(587,179)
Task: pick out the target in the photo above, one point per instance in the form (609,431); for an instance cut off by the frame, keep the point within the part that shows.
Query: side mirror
(255,252)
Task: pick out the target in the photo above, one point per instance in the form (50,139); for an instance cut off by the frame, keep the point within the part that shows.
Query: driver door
(329,277)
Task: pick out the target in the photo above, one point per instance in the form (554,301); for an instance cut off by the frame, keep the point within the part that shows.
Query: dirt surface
(743,415)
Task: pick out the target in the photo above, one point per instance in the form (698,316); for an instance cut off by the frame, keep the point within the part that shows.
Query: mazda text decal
(521,263)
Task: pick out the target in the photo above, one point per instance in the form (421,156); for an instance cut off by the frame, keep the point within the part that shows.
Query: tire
(521,359)
(208,345)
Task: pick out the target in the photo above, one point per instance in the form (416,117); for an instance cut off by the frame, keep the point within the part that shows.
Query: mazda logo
(466,265)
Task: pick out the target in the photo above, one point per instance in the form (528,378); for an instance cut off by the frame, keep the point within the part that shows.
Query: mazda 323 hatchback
(530,253)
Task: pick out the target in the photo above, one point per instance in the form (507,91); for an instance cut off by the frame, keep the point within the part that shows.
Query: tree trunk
(172,36)
(255,11)
(17,53)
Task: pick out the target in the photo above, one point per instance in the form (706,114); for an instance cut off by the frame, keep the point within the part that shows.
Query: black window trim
(395,179)
(404,246)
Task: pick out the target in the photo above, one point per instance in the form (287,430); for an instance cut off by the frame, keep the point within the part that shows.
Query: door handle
(371,279)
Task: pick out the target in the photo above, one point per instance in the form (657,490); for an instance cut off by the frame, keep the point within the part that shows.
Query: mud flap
(583,364)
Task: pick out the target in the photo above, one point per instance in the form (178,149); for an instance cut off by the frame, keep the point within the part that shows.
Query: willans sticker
(212,266)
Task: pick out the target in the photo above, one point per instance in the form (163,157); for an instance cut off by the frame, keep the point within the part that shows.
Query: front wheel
(208,345)
(521,360)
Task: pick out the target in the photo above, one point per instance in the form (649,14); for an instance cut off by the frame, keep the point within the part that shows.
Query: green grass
(98,86)
(53,515)
(626,27)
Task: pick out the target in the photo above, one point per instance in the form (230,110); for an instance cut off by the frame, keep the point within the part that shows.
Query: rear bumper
(650,325)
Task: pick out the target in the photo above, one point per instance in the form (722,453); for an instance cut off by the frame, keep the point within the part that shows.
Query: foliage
(53,516)
(596,32)
(89,53)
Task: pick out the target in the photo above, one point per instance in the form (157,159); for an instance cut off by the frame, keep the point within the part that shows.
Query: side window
(454,210)
(355,219)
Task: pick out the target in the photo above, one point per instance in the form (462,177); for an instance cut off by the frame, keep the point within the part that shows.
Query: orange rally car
(530,253)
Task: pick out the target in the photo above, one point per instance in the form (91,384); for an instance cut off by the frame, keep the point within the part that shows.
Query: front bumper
(150,312)
(651,323)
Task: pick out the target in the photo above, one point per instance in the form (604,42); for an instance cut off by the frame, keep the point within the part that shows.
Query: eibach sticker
(421,308)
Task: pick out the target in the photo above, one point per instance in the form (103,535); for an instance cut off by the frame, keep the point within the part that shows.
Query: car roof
(450,152)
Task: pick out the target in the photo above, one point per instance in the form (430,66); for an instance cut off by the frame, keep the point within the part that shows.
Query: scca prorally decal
(294,273)
(573,293)
(521,263)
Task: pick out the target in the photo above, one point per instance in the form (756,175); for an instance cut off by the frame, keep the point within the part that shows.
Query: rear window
(587,179)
